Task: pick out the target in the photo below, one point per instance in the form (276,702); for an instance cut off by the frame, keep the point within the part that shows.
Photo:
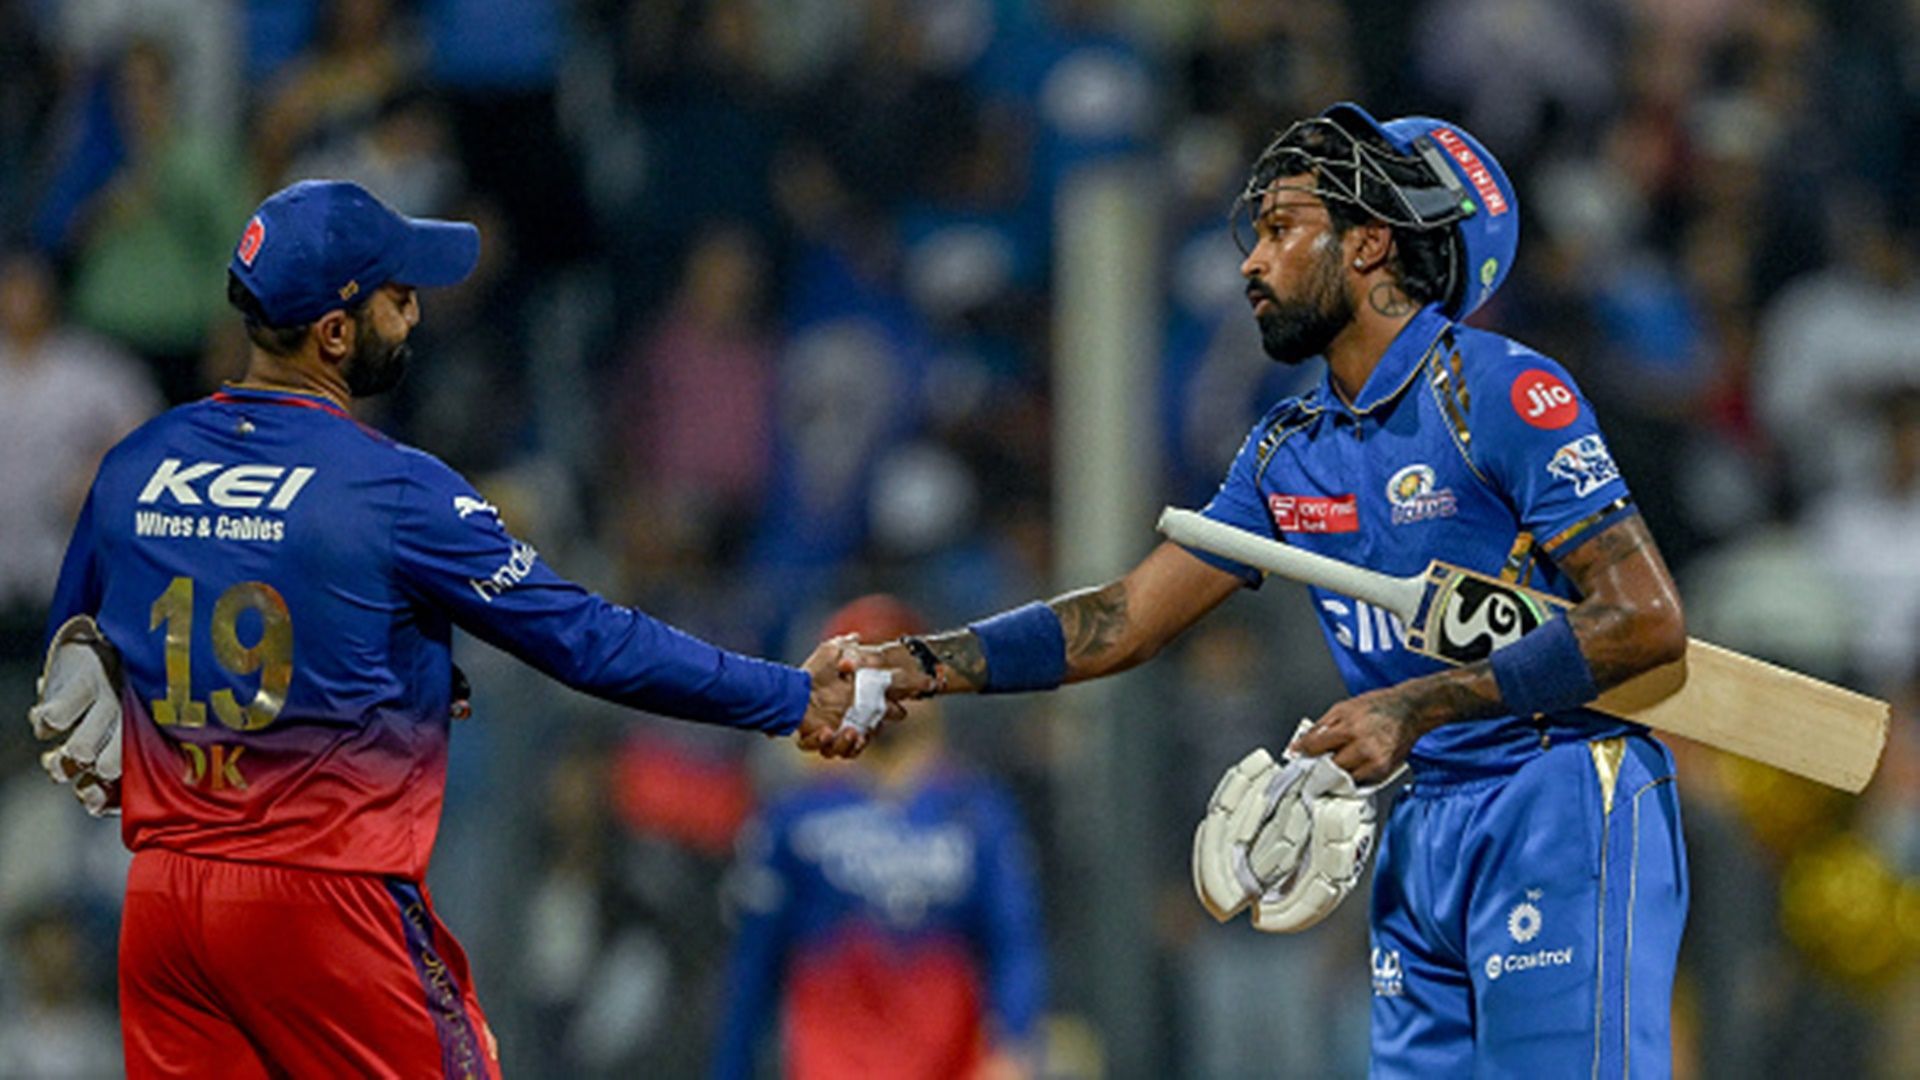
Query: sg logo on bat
(1478,616)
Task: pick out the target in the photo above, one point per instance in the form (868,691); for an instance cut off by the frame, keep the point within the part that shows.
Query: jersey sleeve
(1536,440)
(451,551)
(1238,504)
(79,590)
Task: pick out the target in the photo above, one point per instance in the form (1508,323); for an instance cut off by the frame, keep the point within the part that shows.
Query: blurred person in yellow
(888,914)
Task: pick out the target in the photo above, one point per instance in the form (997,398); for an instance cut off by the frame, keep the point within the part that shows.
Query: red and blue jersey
(897,934)
(282,584)
(1463,446)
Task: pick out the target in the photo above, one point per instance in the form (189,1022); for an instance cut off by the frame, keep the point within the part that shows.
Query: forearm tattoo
(1612,571)
(1467,693)
(1092,620)
(959,653)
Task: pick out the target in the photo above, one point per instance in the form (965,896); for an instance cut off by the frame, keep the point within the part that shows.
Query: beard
(1299,328)
(377,365)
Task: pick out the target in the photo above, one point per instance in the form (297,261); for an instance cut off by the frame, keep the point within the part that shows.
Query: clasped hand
(834,667)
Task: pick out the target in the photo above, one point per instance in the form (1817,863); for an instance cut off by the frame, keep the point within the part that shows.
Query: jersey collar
(298,399)
(1397,365)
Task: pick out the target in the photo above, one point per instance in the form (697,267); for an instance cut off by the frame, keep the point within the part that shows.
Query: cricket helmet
(1416,173)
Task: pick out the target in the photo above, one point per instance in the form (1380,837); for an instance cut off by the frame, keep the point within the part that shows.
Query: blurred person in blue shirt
(888,913)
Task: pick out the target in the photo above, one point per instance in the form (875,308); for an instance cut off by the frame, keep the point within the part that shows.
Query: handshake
(857,688)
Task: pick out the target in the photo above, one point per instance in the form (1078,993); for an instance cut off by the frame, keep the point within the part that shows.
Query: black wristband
(929,663)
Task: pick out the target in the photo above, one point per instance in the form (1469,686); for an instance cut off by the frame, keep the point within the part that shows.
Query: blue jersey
(283,583)
(1463,446)
(901,929)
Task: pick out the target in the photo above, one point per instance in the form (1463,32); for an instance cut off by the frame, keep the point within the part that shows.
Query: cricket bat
(1716,696)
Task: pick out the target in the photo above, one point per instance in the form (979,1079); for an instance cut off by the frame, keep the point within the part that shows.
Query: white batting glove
(1290,840)
(79,698)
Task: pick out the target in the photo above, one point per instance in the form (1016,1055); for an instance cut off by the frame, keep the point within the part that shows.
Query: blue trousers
(1527,925)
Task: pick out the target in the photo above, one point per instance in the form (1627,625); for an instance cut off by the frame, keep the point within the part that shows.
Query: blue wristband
(1544,672)
(1025,649)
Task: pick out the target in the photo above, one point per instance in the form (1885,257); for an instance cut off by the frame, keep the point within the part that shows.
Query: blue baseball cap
(320,245)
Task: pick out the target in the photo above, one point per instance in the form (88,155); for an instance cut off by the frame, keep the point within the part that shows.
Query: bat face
(1465,616)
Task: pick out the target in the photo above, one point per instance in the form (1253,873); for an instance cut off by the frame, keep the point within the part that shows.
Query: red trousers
(233,969)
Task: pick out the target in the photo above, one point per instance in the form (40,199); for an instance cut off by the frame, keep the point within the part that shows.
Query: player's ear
(1371,245)
(333,336)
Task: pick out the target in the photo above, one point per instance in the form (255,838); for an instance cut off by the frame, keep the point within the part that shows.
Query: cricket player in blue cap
(274,587)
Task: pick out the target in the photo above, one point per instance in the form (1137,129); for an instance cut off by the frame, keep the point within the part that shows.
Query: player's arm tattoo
(1629,620)
(961,660)
(1094,622)
(1463,693)
(1628,623)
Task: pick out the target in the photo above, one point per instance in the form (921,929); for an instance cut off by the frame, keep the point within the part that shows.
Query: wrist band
(1544,672)
(1025,649)
(929,663)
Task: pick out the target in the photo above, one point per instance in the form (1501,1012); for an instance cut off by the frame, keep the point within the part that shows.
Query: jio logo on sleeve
(1543,400)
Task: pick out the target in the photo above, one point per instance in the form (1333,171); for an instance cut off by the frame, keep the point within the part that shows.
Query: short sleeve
(1238,503)
(1536,439)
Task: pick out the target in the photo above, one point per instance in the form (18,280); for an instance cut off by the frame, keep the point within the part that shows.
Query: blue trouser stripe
(444,997)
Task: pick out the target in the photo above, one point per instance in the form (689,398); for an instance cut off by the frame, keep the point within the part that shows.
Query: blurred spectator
(149,247)
(55,1028)
(888,914)
(852,380)
(65,397)
(203,37)
(327,98)
(705,368)
(1850,527)
(498,63)
(1512,69)
(27,97)
(1835,345)
(403,152)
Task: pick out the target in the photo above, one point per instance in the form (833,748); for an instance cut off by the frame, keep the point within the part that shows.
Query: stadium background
(772,313)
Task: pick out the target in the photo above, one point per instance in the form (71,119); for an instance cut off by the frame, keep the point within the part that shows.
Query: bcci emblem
(1411,491)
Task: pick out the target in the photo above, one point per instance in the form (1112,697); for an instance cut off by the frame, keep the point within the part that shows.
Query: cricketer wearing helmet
(1530,890)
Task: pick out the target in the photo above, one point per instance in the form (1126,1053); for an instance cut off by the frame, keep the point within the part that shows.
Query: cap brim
(438,253)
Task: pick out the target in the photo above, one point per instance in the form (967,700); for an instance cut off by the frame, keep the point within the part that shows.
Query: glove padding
(79,696)
(1289,839)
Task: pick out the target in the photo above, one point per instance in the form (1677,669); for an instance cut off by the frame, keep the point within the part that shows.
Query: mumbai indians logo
(1411,491)
(1481,616)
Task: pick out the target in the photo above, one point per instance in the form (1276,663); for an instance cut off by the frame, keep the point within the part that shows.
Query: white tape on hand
(869,699)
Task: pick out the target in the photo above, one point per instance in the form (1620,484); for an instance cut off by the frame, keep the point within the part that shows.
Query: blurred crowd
(764,321)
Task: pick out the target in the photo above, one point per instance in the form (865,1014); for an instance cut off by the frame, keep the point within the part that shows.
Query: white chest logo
(230,487)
